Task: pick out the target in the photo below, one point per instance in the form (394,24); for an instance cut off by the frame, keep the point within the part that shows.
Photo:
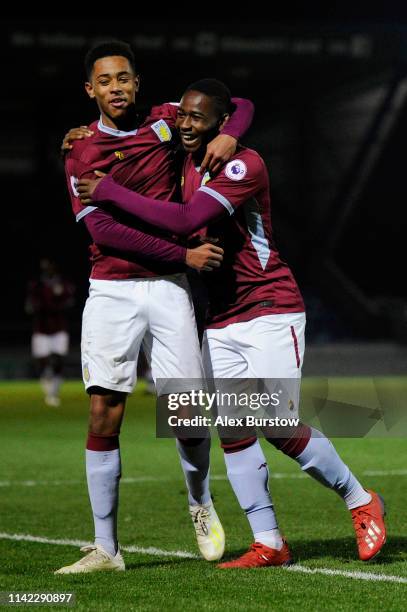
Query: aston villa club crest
(162,130)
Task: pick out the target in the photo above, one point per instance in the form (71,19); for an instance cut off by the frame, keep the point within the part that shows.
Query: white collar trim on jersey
(112,131)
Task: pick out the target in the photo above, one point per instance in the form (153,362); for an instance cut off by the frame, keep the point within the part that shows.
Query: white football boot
(209,531)
(97,560)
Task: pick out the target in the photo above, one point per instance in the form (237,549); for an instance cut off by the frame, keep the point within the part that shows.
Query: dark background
(331,122)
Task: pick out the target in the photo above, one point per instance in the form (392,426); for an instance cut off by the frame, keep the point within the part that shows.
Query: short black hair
(107,49)
(217,90)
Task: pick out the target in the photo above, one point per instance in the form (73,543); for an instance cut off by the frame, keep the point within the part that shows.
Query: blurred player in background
(49,298)
(256,319)
(138,292)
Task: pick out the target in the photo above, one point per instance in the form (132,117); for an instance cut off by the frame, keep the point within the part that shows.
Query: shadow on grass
(133,565)
(341,549)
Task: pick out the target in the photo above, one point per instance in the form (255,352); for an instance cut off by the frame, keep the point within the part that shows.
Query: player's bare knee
(106,410)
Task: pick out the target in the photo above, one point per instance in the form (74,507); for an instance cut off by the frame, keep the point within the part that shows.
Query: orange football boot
(260,555)
(369,527)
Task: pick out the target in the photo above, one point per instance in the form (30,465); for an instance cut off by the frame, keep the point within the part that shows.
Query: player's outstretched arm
(182,219)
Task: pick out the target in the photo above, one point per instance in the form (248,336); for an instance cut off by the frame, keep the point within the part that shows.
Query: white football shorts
(120,315)
(269,348)
(44,345)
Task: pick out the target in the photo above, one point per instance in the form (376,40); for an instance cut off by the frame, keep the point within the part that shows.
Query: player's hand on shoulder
(78,133)
(205,257)
(219,151)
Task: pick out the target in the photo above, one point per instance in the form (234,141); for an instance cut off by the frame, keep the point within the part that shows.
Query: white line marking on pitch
(385,473)
(58,483)
(141,479)
(355,575)
(127,480)
(151,550)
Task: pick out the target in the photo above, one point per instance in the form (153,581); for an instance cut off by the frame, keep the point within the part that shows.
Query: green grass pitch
(43,494)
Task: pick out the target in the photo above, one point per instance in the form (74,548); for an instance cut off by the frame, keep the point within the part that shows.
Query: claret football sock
(248,474)
(194,458)
(103,471)
(321,461)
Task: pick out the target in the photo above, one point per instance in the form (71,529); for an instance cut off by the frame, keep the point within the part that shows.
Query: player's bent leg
(194,454)
(281,340)
(176,365)
(245,462)
(317,456)
(248,474)
(103,471)
(194,458)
